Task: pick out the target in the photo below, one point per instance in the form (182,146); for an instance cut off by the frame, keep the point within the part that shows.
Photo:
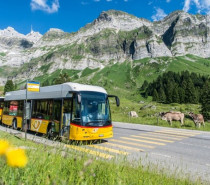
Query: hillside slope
(127,77)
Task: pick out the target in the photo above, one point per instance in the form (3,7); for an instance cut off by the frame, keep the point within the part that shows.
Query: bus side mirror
(117,101)
(116,98)
(79,98)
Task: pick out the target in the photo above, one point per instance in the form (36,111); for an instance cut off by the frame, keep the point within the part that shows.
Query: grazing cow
(198,119)
(175,116)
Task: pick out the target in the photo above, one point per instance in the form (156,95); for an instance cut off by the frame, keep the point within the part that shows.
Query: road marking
(176,133)
(161,136)
(144,141)
(109,149)
(123,147)
(134,144)
(96,153)
(184,131)
(167,141)
(170,134)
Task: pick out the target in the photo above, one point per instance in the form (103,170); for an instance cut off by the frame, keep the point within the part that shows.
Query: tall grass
(54,166)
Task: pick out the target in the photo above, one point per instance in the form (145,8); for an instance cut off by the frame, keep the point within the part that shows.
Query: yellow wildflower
(16,157)
(4,145)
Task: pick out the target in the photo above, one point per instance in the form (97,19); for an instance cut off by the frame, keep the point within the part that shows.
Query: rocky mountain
(114,37)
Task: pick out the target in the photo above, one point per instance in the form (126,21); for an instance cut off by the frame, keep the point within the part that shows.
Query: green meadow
(148,113)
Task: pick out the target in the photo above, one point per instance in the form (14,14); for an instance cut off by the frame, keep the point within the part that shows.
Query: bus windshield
(95,109)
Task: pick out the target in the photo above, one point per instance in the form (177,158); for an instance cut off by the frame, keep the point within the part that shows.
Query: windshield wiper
(88,123)
(101,122)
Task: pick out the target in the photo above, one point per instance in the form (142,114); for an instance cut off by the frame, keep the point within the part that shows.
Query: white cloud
(160,14)
(186,5)
(42,5)
(203,6)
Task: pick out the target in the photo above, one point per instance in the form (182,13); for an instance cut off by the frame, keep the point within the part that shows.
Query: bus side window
(6,108)
(37,110)
(43,109)
(34,109)
(50,109)
(57,110)
(13,108)
(20,108)
(76,110)
(1,104)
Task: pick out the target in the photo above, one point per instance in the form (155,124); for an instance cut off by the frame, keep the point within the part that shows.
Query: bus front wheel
(14,124)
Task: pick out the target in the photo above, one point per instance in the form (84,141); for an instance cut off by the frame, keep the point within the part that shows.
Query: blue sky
(71,15)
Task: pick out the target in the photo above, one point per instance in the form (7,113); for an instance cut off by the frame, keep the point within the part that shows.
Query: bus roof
(55,91)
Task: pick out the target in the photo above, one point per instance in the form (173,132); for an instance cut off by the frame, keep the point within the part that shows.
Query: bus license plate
(101,135)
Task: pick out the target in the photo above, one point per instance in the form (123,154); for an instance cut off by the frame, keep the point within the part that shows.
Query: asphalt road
(185,153)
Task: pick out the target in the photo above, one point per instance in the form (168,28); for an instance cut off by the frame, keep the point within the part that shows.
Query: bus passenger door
(66,117)
(56,117)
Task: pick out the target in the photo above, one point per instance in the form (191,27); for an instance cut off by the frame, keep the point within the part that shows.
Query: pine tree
(161,95)
(180,88)
(190,92)
(9,86)
(146,95)
(155,95)
(169,92)
(205,100)
(175,95)
(144,86)
(63,78)
(45,83)
(15,86)
(181,95)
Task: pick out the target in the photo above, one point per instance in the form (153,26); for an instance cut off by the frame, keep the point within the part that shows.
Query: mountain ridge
(113,37)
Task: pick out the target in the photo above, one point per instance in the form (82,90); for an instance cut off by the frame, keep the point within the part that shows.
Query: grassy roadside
(50,166)
(148,113)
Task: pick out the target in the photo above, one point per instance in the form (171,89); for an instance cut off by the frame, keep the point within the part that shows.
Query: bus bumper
(81,133)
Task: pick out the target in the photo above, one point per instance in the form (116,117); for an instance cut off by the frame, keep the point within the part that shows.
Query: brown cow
(176,116)
(198,119)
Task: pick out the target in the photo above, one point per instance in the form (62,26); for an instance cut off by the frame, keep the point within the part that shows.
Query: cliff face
(113,37)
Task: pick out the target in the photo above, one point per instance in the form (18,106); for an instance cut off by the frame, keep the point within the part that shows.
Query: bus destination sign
(33,86)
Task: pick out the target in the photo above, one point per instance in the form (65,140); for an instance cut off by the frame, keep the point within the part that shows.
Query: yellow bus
(1,107)
(72,110)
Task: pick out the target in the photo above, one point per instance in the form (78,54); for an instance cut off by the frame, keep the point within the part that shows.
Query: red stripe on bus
(89,126)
